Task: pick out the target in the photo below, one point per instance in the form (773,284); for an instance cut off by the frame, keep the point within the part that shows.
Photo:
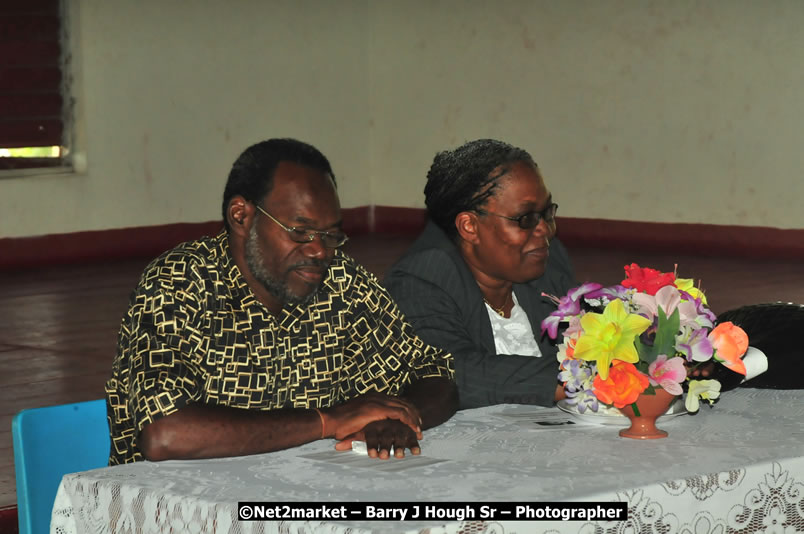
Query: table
(735,467)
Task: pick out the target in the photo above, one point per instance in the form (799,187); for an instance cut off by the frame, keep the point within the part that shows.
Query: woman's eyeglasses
(529,220)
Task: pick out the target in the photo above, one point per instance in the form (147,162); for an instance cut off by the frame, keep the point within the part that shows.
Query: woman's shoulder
(432,264)
(432,256)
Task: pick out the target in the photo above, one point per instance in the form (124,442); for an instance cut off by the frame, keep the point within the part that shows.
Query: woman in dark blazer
(473,282)
(474,279)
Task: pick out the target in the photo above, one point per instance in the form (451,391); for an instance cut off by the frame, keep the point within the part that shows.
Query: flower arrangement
(647,332)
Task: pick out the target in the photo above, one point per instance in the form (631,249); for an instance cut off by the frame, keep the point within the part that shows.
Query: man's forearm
(436,398)
(202,431)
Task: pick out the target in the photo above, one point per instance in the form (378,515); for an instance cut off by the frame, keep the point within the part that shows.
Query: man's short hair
(464,179)
(252,175)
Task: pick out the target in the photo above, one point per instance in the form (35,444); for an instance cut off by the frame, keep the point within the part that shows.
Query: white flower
(707,390)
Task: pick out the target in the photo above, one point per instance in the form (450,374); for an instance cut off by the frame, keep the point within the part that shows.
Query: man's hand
(435,398)
(382,436)
(354,415)
(700,370)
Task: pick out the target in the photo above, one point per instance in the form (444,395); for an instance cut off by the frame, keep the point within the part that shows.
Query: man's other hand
(354,415)
(383,436)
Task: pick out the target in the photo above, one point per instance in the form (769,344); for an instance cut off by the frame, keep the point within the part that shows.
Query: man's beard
(277,288)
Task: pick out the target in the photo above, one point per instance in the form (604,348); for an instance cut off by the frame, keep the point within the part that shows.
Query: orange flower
(730,342)
(623,385)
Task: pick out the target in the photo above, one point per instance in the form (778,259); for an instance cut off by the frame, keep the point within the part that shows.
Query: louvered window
(33,111)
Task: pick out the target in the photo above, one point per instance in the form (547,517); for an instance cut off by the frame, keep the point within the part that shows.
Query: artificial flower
(604,295)
(583,399)
(610,336)
(669,300)
(706,319)
(707,390)
(623,385)
(577,381)
(619,340)
(646,279)
(688,286)
(568,305)
(730,342)
(668,373)
(695,345)
(573,329)
(566,350)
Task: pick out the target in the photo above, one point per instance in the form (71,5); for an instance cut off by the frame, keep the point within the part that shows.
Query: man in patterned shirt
(267,336)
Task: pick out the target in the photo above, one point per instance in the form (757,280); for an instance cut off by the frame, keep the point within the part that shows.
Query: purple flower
(697,346)
(587,400)
(550,324)
(577,377)
(705,317)
(568,305)
(609,293)
(582,399)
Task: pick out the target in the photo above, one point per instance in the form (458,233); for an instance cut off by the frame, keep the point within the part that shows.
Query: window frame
(71,161)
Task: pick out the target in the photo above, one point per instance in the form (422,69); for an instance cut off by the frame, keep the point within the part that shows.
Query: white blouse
(513,335)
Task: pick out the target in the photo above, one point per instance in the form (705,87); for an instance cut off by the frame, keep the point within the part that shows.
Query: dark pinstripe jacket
(439,296)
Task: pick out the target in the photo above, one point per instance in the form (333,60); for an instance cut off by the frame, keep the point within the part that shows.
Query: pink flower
(667,373)
(669,300)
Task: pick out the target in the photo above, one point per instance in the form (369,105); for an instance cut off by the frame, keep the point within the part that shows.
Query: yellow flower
(610,336)
(688,285)
(707,390)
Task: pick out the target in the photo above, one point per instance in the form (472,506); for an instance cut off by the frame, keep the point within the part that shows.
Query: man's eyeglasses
(305,235)
(529,220)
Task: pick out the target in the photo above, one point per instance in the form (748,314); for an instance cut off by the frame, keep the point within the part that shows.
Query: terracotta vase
(643,426)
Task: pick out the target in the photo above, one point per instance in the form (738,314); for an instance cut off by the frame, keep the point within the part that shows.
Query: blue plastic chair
(50,442)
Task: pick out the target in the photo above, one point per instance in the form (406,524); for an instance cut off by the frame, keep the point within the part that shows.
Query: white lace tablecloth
(737,467)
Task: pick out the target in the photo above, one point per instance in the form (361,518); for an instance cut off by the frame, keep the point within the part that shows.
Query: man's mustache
(321,264)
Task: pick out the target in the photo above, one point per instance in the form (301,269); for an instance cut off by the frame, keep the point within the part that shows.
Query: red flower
(645,279)
(623,385)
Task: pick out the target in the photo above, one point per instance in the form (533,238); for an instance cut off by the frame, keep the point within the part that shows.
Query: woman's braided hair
(465,178)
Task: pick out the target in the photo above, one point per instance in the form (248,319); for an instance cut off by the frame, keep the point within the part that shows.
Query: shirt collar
(231,274)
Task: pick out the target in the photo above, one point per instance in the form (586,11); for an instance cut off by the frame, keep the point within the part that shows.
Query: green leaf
(641,366)
(665,340)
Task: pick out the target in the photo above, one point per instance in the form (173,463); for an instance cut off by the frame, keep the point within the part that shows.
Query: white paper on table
(359,458)
(542,419)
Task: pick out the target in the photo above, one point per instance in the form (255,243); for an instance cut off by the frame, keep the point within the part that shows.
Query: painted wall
(640,110)
(171,92)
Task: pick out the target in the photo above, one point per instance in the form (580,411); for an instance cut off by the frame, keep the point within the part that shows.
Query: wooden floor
(58,325)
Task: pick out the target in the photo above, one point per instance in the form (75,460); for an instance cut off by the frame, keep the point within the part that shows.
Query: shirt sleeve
(385,353)
(161,353)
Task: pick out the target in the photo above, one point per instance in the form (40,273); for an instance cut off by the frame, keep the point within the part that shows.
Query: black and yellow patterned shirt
(194,332)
